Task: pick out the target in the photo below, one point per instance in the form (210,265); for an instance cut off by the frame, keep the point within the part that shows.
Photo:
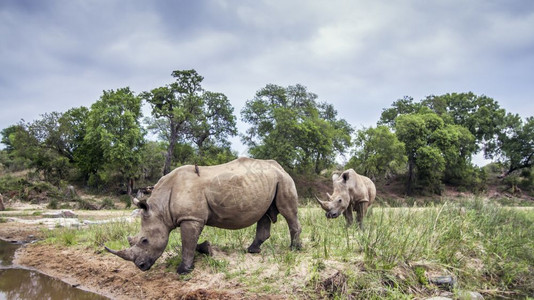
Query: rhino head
(339,201)
(148,245)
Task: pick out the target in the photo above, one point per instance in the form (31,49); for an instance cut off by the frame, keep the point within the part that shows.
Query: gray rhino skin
(234,195)
(351,192)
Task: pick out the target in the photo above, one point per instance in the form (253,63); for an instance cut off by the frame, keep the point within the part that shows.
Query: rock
(468,295)
(446,282)
(68,214)
(60,214)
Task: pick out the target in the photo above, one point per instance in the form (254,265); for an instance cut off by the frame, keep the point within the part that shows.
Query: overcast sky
(359,55)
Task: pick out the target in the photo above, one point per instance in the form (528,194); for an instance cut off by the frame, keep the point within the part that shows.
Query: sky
(359,55)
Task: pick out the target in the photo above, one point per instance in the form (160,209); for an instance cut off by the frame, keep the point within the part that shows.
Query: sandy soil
(113,277)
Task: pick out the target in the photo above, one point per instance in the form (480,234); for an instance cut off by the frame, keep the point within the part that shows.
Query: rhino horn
(124,254)
(323,203)
(329,196)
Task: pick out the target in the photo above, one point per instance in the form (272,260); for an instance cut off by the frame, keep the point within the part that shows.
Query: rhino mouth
(332,215)
(144,265)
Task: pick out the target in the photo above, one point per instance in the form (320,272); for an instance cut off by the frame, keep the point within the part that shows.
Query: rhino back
(239,200)
(240,193)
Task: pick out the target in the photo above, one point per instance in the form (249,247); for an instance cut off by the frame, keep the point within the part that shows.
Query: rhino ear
(345,176)
(141,204)
(335,176)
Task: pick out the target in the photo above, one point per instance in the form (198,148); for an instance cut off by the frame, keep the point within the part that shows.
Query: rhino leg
(348,215)
(286,202)
(263,232)
(190,231)
(294,226)
(361,210)
(205,248)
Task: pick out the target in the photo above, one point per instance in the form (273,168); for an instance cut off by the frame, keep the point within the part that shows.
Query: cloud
(359,55)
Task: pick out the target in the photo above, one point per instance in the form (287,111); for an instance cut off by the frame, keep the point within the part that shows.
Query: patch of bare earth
(118,279)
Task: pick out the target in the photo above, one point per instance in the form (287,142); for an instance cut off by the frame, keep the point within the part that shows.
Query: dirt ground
(113,277)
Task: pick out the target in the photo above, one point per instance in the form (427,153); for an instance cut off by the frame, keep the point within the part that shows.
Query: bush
(107,203)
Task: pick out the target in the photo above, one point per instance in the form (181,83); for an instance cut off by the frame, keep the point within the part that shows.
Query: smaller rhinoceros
(234,195)
(351,192)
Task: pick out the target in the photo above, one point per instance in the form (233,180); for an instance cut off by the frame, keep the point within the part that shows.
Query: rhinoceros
(352,191)
(234,195)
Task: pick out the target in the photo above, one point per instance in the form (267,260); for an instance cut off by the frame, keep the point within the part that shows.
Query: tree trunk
(129,186)
(170,151)
(168,159)
(409,185)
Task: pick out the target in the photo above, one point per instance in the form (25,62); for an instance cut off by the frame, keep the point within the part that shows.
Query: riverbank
(102,273)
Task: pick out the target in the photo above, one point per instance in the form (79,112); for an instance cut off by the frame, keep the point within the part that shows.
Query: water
(17,283)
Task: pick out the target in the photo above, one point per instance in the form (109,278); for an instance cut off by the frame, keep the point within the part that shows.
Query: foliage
(485,247)
(516,143)
(290,126)
(379,154)
(184,114)
(455,126)
(114,138)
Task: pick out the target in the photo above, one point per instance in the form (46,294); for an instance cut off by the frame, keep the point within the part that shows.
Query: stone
(60,214)
(446,282)
(468,295)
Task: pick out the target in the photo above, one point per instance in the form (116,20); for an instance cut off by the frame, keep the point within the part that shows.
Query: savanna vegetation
(481,246)
(417,151)
(111,147)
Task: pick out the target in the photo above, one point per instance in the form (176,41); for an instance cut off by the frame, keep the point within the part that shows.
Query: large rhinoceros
(234,195)
(352,191)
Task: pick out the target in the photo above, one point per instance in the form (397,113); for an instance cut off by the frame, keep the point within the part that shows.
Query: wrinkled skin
(234,195)
(351,192)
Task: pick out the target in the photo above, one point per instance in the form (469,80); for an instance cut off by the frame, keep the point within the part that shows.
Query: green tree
(379,154)
(183,114)
(114,137)
(436,151)
(290,126)
(44,143)
(481,115)
(402,106)
(515,144)
(414,131)
(457,146)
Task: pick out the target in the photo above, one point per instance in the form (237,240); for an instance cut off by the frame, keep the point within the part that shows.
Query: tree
(515,144)
(414,131)
(481,115)
(114,136)
(291,127)
(457,146)
(379,154)
(435,150)
(402,106)
(182,113)
(44,143)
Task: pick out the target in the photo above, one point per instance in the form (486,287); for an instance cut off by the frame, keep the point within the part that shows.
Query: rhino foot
(183,269)
(254,249)
(205,248)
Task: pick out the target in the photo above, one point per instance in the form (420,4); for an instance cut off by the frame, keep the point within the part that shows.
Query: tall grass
(485,247)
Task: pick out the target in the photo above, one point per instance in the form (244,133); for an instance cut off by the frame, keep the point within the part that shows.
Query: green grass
(485,247)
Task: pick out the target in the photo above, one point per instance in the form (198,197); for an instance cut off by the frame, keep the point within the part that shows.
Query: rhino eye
(339,200)
(144,241)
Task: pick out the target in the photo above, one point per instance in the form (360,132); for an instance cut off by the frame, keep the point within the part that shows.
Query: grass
(485,247)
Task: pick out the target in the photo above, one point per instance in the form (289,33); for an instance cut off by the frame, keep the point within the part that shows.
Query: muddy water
(18,283)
